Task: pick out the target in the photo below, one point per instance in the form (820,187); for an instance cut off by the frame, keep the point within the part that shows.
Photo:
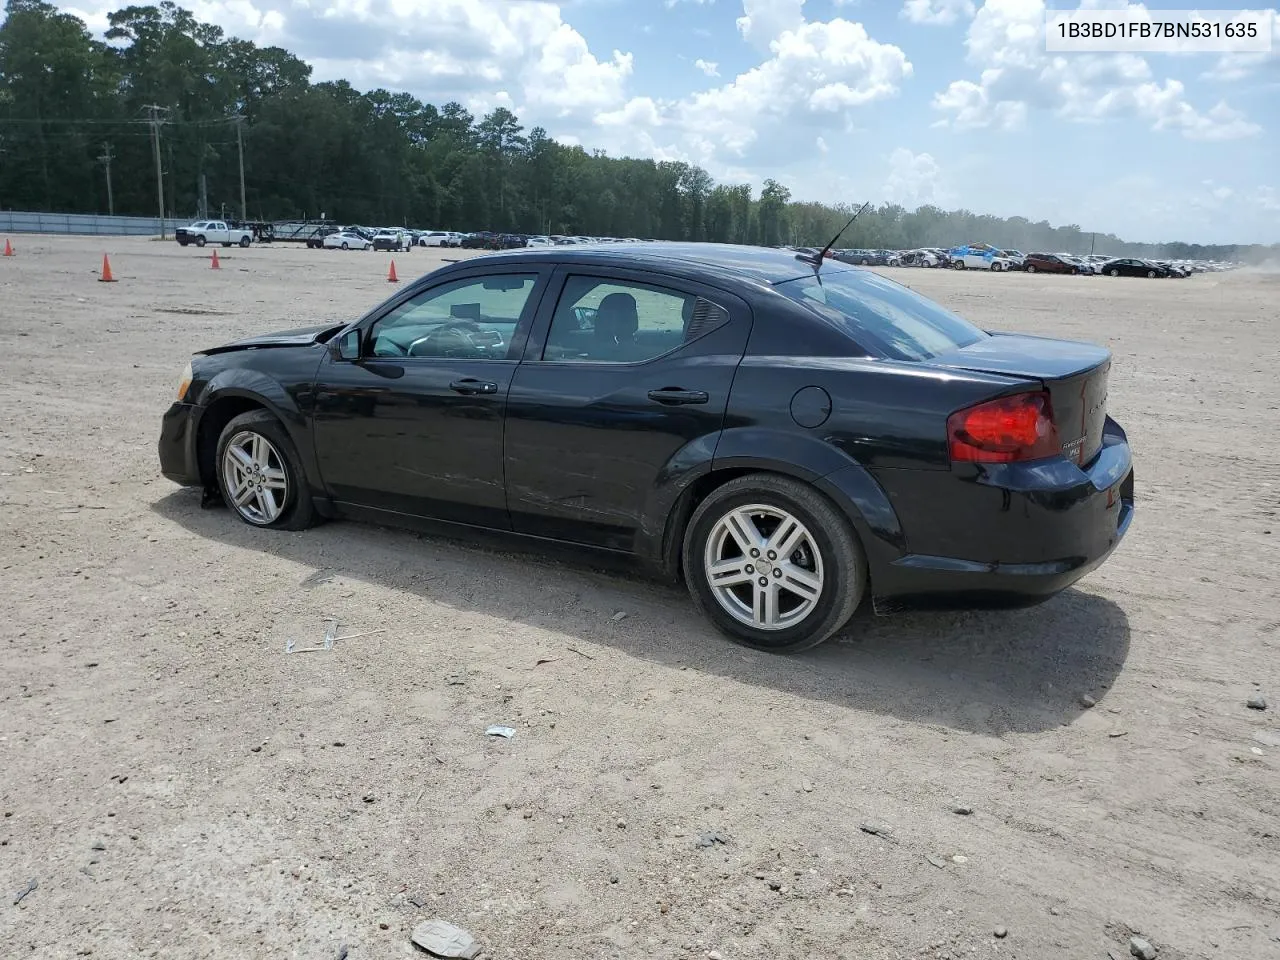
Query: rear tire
(290,508)
(244,243)
(810,593)
(344,245)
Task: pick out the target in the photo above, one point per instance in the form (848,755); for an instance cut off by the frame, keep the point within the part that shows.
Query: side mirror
(347,347)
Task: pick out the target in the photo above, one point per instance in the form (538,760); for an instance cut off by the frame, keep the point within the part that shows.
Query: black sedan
(788,438)
(1133,267)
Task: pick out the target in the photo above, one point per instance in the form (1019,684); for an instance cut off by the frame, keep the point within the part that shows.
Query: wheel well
(220,413)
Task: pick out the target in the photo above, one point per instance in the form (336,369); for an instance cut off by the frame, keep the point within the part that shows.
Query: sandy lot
(180,787)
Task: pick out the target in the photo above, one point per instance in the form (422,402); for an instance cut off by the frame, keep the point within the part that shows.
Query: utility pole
(106,159)
(154,110)
(244,212)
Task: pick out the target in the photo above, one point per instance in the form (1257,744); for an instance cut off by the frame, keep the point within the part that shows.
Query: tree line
(73,107)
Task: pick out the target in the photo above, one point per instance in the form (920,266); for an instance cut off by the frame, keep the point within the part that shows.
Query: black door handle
(470,386)
(675,396)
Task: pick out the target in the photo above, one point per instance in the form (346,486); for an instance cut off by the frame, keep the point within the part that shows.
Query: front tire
(812,583)
(201,241)
(996,268)
(1151,273)
(260,474)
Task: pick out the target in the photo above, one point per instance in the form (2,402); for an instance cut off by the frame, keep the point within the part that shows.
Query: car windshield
(881,314)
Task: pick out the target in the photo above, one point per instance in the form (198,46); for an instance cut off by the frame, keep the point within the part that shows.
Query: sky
(951,102)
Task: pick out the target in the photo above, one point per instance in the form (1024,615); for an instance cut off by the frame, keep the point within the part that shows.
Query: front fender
(288,403)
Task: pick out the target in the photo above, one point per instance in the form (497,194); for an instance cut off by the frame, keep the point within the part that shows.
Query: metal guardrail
(13,221)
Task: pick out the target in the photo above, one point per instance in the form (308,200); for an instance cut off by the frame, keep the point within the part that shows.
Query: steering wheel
(449,336)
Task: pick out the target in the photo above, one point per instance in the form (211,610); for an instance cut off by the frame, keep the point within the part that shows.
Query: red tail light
(1019,427)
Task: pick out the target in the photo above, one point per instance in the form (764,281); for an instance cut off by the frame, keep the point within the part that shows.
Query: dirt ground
(180,787)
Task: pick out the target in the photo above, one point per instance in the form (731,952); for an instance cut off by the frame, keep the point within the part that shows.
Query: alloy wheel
(255,479)
(763,567)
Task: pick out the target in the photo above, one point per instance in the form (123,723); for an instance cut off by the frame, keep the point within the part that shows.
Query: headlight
(184,383)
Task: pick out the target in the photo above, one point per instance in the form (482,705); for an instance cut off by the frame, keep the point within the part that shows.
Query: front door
(625,374)
(414,425)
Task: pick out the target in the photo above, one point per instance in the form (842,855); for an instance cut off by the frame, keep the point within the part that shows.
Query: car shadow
(984,672)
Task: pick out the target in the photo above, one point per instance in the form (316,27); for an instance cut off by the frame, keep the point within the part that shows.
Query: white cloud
(437,50)
(815,74)
(937,12)
(764,20)
(914,179)
(1006,39)
(1231,67)
(710,68)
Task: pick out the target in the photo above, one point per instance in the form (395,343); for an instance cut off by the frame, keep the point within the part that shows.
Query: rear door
(624,371)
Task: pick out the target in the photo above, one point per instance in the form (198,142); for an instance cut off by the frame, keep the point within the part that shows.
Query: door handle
(674,396)
(467,385)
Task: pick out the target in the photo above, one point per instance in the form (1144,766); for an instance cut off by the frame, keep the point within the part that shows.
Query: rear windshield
(882,315)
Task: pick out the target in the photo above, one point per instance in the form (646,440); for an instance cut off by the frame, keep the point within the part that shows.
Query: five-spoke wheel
(773,563)
(260,475)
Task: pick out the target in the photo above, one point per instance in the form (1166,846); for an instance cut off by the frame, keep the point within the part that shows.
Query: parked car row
(984,256)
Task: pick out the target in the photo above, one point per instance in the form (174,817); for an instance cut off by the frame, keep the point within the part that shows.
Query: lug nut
(764,581)
(772,555)
(755,553)
(777,572)
(749,568)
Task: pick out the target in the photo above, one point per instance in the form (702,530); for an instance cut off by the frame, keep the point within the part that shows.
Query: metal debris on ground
(711,838)
(22,894)
(586,656)
(498,730)
(330,638)
(442,939)
(620,615)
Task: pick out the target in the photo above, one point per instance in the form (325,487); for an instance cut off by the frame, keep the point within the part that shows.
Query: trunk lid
(1075,375)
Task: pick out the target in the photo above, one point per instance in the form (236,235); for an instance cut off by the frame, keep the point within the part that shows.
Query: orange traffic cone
(391,274)
(214,263)
(106,271)
(8,248)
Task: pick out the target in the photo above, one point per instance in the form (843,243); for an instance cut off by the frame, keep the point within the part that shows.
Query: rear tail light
(1018,427)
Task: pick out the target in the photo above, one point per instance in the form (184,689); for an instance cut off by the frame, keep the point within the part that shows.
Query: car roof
(759,264)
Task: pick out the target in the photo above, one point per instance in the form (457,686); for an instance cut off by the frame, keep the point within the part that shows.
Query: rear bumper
(1009,534)
(177,446)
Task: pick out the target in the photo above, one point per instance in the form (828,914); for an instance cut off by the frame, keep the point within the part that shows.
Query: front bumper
(1007,534)
(177,446)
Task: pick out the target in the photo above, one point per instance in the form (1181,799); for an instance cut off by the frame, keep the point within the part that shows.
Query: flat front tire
(773,564)
(260,474)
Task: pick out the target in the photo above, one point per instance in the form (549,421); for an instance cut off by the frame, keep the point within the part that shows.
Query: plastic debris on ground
(442,939)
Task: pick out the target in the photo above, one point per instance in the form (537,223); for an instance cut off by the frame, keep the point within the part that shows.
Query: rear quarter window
(882,315)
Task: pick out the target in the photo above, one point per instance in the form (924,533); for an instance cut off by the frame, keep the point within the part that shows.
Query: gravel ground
(180,787)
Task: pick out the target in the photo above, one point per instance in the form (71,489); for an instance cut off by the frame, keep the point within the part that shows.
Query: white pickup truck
(212,231)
